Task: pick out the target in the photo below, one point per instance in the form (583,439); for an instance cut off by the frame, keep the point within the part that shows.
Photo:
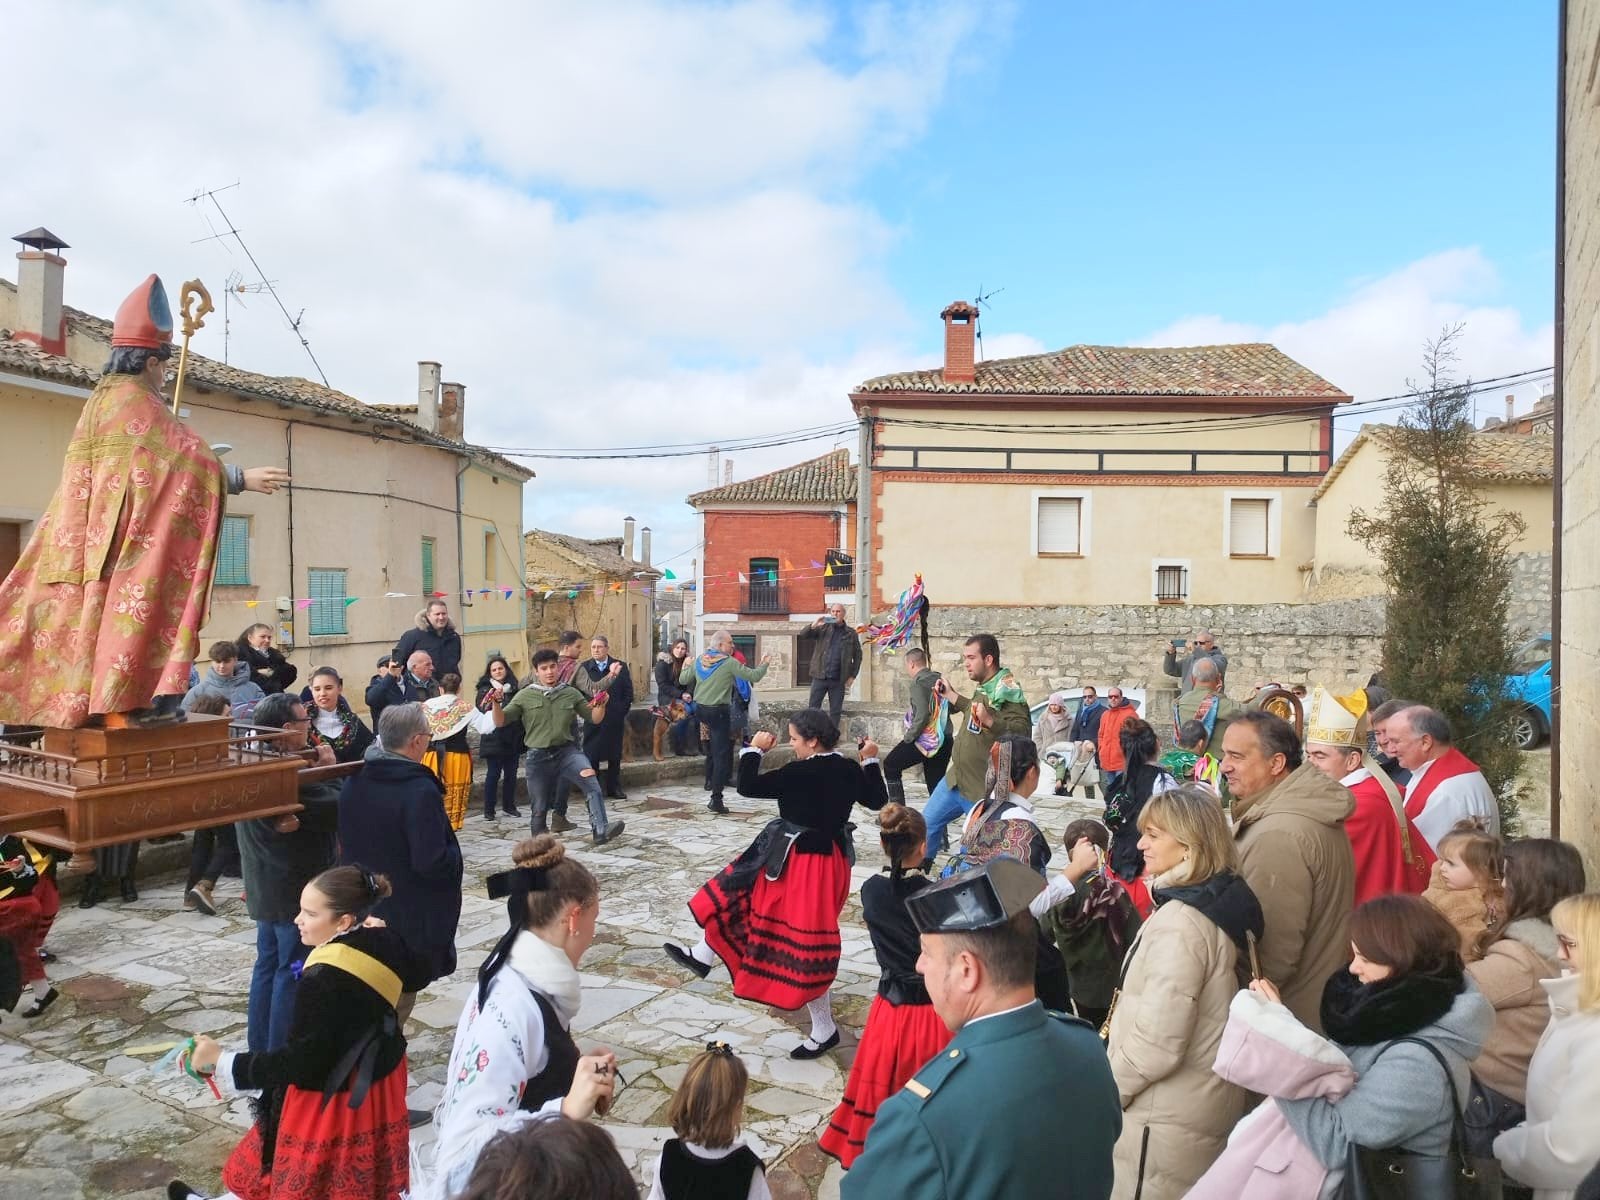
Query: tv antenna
(978,302)
(262,284)
(235,286)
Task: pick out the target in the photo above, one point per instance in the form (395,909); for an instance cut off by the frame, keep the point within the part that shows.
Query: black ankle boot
(129,892)
(92,892)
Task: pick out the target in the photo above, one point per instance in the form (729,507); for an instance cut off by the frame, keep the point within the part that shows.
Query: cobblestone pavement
(81,1119)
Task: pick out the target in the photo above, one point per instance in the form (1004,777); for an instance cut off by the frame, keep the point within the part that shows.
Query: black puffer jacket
(269,669)
(444,648)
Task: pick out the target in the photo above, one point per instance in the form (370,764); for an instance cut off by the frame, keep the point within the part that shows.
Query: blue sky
(653,221)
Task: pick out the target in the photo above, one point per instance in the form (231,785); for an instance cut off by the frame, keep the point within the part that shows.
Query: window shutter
(327,601)
(1247,527)
(1058,525)
(427,567)
(233,553)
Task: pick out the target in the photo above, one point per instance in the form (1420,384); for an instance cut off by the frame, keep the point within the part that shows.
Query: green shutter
(427,566)
(327,602)
(233,553)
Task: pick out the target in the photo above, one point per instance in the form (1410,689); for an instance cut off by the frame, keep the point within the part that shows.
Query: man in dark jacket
(1205,646)
(912,748)
(435,633)
(603,742)
(278,856)
(401,685)
(392,822)
(835,662)
(1086,726)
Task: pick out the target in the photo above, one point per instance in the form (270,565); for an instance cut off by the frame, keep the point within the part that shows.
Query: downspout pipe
(1560,420)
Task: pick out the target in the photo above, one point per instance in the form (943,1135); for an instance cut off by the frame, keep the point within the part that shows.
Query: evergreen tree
(1446,560)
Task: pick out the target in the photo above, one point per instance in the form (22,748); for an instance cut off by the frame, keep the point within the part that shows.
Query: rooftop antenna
(978,302)
(235,286)
(263,284)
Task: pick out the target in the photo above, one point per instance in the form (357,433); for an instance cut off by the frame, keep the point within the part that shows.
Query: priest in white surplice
(1446,786)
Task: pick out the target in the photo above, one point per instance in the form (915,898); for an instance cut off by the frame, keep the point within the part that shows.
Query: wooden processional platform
(80,789)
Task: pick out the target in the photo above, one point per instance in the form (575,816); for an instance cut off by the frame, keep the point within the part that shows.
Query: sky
(647,222)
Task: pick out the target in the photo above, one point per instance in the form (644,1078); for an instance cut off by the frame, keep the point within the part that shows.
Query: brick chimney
(960,329)
(428,395)
(452,412)
(41,277)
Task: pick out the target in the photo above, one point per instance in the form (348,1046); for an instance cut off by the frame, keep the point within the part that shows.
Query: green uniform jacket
(1019,1106)
(969,759)
(547,716)
(717,687)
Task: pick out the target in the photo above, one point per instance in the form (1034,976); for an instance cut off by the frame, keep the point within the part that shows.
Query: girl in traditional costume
(708,1159)
(902,1032)
(514,1057)
(333,722)
(331,1105)
(450,715)
(772,915)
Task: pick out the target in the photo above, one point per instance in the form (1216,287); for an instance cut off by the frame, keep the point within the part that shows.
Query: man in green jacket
(997,707)
(548,710)
(1206,704)
(714,675)
(984,1118)
(926,741)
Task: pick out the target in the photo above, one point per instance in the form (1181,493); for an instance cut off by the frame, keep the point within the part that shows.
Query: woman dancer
(501,749)
(773,913)
(331,1115)
(333,722)
(903,1032)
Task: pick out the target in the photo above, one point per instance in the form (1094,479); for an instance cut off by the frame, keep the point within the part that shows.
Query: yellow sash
(362,965)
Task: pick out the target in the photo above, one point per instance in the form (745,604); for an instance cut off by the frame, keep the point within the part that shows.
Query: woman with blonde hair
(1189,959)
(1559,1144)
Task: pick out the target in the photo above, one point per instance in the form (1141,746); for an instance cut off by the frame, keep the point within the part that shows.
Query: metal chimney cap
(41,239)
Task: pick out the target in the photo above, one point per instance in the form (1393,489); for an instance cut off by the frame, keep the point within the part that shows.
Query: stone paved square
(80,1119)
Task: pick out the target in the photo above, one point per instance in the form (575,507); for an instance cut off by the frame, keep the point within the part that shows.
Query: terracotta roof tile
(602,554)
(829,479)
(28,359)
(1249,369)
(1502,457)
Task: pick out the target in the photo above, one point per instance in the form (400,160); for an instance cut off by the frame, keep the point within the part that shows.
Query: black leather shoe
(129,892)
(514,813)
(806,1050)
(717,806)
(684,959)
(36,1009)
(93,890)
(619,794)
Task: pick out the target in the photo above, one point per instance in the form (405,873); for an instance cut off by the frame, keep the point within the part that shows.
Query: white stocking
(701,952)
(821,1012)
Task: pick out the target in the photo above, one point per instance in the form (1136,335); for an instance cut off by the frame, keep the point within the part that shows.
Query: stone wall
(1337,644)
(1529,613)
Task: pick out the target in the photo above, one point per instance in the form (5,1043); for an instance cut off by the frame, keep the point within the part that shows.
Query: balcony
(765,599)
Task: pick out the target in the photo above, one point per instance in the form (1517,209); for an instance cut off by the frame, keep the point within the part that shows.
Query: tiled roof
(826,480)
(601,554)
(1499,457)
(1248,370)
(207,372)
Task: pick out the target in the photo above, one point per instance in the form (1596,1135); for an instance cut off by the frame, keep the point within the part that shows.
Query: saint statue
(102,612)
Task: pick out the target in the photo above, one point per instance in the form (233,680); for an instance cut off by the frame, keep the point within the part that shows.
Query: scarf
(347,726)
(547,970)
(1225,900)
(1097,895)
(1001,688)
(1365,1014)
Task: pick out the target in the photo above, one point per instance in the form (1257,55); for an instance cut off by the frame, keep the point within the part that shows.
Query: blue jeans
(552,772)
(944,805)
(272,985)
(500,774)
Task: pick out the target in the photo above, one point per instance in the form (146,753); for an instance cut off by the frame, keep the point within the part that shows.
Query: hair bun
(894,818)
(541,851)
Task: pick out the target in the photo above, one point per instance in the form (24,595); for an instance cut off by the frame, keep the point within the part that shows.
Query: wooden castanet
(80,789)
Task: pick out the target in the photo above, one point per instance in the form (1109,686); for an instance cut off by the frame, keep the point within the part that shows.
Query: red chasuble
(1374,834)
(103,610)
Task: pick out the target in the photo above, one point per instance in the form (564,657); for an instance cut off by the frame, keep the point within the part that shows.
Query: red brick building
(777,550)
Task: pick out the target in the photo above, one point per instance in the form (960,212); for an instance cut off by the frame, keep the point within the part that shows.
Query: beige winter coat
(1295,856)
(1164,1037)
(1508,975)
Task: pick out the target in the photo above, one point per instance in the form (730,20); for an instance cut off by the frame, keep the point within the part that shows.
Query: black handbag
(1395,1174)
(1489,1114)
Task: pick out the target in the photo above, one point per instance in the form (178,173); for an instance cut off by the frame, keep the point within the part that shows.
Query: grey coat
(1399,1099)
(1184,668)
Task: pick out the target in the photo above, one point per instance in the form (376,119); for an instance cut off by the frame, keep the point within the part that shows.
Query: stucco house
(596,586)
(385,507)
(778,550)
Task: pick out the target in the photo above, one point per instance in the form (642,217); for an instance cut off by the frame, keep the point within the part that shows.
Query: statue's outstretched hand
(265,479)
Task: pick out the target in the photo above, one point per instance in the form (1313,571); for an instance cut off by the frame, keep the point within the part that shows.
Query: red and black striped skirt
(323,1152)
(899,1040)
(780,938)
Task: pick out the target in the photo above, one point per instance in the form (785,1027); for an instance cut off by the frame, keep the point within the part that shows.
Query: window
(1248,523)
(762,593)
(838,572)
(1061,524)
(1171,582)
(327,601)
(233,553)
(745,644)
(427,567)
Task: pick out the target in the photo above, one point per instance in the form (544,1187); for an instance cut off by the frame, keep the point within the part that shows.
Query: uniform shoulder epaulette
(1067,1018)
(933,1076)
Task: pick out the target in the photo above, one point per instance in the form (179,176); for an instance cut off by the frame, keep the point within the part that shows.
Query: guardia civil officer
(1021,1104)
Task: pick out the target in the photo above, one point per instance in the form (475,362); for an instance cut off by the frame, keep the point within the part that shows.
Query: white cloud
(621,223)
(1370,342)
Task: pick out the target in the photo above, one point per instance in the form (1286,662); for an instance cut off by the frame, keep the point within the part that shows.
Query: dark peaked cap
(982,898)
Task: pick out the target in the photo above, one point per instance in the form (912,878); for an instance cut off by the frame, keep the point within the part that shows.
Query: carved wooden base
(79,789)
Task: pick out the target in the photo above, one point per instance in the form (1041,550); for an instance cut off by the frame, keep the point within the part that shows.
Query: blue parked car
(1529,687)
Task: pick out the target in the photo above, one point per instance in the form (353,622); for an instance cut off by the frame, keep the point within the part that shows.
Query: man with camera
(835,662)
(1205,647)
